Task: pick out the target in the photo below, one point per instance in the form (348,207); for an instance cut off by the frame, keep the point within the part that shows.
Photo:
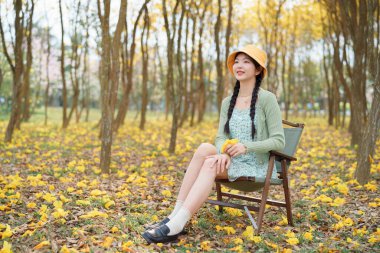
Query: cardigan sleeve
(273,119)
(221,137)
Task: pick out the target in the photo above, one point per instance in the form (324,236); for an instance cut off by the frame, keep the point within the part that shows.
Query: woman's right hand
(222,162)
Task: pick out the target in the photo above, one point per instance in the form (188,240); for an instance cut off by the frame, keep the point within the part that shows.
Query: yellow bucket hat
(254,52)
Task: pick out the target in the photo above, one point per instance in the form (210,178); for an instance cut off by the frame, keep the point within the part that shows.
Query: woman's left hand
(236,150)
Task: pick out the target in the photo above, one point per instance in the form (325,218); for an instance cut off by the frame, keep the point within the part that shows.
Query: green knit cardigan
(269,130)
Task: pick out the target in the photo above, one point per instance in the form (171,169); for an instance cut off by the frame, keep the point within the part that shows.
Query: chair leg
(219,195)
(287,193)
(264,196)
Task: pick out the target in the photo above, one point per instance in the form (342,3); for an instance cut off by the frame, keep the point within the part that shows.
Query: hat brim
(231,60)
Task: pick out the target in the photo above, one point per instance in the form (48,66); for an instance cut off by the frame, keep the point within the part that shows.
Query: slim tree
(129,69)
(64,87)
(109,76)
(145,58)
(29,60)
(46,98)
(16,66)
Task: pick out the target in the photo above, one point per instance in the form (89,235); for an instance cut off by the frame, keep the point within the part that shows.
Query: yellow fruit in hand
(228,142)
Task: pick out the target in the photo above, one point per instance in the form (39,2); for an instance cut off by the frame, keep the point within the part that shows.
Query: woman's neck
(246,88)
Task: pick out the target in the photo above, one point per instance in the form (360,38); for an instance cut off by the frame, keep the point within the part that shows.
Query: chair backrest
(292,138)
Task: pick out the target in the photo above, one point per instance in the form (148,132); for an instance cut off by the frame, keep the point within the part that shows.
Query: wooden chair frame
(284,160)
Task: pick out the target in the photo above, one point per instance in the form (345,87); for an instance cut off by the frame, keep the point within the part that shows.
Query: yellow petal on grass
(42,244)
(205,245)
(93,214)
(114,230)
(229,230)
(97,192)
(308,236)
(125,246)
(64,249)
(292,241)
(256,239)
(7,248)
(107,242)
(7,233)
(166,193)
(109,204)
(31,205)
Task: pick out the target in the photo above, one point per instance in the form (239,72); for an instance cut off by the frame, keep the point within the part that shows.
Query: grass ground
(53,197)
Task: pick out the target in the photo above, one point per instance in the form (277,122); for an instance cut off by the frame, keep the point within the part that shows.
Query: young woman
(252,116)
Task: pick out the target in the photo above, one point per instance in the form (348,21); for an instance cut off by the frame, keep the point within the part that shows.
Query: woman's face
(244,68)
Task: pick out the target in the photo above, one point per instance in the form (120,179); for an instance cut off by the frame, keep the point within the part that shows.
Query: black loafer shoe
(157,224)
(159,234)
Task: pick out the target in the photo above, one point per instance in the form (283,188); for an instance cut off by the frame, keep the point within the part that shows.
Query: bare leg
(202,186)
(196,163)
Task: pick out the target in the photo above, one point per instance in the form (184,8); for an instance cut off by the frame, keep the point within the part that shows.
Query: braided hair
(255,92)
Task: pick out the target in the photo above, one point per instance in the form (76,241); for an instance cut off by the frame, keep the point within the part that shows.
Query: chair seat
(248,184)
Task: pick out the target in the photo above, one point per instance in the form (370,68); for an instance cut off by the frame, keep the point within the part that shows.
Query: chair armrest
(281,156)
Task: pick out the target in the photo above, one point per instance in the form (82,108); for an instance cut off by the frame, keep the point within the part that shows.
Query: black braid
(255,93)
(231,108)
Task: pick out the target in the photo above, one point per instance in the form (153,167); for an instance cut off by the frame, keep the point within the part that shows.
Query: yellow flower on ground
(233,212)
(125,247)
(109,204)
(93,214)
(114,229)
(7,248)
(166,193)
(289,234)
(60,213)
(284,221)
(97,193)
(338,202)
(42,244)
(342,188)
(238,241)
(31,205)
(205,245)
(256,239)
(348,222)
(7,233)
(308,236)
(107,242)
(292,241)
(64,249)
(218,228)
(229,230)
(371,186)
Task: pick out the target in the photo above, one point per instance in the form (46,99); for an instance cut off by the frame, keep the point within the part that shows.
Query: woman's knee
(209,166)
(205,149)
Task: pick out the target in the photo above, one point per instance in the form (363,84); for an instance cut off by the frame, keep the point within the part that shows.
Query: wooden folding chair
(250,184)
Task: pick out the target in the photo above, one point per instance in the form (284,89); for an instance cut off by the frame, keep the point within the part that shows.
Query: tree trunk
(170,77)
(201,81)
(47,73)
(218,62)
(64,89)
(29,60)
(370,135)
(123,105)
(145,59)
(367,146)
(109,78)
(17,69)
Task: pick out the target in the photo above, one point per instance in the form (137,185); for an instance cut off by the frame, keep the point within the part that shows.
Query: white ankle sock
(177,223)
(177,206)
